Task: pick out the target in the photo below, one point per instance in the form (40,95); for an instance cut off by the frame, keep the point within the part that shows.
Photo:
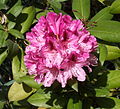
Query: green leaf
(39,100)
(3,37)
(43,13)
(16,33)
(4,1)
(2,6)
(105,103)
(1,27)
(11,25)
(30,12)
(103,14)
(13,48)
(117,103)
(74,105)
(107,30)
(56,4)
(81,9)
(18,66)
(30,82)
(102,53)
(16,10)
(113,52)
(18,3)
(59,0)
(3,56)
(103,92)
(114,79)
(115,7)
(18,92)
(2,104)
(55,8)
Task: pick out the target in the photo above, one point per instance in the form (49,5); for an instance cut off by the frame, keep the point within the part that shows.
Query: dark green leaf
(114,79)
(117,103)
(18,66)
(56,9)
(57,4)
(3,56)
(30,82)
(39,100)
(16,33)
(2,6)
(17,92)
(107,30)
(115,7)
(113,52)
(13,48)
(3,37)
(74,105)
(106,103)
(81,9)
(30,12)
(103,53)
(104,14)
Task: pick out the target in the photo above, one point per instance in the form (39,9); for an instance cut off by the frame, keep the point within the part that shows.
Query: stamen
(57,37)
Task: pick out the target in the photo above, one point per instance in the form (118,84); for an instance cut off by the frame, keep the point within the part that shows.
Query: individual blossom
(59,49)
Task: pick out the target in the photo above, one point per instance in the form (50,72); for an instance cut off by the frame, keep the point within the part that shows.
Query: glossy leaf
(115,7)
(39,100)
(81,9)
(15,11)
(30,82)
(107,30)
(103,92)
(3,56)
(113,52)
(18,3)
(56,4)
(56,9)
(13,48)
(114,79)
(30,12)
(102,53)
(11,25)
(16,33)
(3,37)
(17,92)
(18,67)
(103,14)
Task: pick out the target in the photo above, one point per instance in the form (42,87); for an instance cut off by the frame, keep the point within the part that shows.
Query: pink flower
(59,49)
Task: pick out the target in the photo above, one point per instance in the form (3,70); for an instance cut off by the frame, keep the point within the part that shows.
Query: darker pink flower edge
(59,49)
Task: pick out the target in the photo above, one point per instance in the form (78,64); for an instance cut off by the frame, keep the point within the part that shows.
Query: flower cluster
(59,49)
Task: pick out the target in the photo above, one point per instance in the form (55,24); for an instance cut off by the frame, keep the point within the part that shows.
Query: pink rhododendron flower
(59,49)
